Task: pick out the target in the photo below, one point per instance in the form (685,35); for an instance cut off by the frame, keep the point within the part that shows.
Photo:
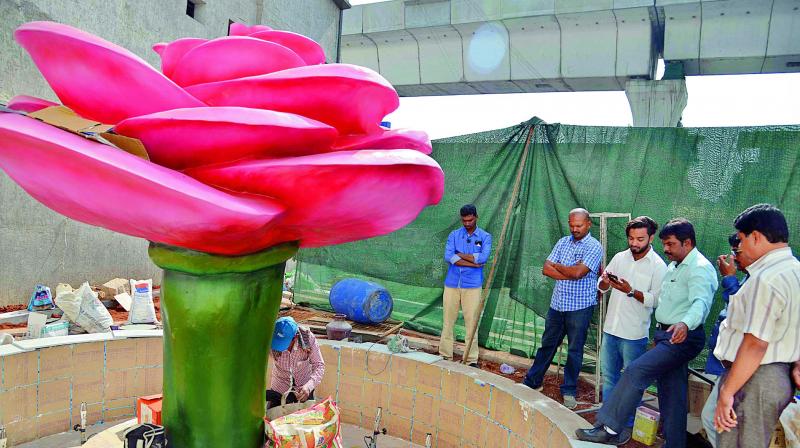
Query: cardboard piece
(36,323)
(645,426)
(698,392)
(64,118)
(148,409)
(125,300)
(115,286)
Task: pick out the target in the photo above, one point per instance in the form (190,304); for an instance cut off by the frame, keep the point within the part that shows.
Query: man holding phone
(635,275)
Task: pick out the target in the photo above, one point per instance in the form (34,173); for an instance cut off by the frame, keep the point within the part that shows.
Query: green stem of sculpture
(218,313)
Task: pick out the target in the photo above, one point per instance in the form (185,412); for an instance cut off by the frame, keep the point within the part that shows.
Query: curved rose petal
(337,197)
(174,51)
(28,104)
(394,139)
(240,29)
(95,78)
(233,57)
(183,138)
(308,49)
(350,98)
(103,186)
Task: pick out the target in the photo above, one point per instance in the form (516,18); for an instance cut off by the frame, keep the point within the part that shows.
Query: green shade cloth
(707,175)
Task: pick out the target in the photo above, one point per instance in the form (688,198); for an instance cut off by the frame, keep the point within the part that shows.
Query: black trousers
(274,398)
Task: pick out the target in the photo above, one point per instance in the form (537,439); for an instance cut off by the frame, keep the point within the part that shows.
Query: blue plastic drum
(361,301)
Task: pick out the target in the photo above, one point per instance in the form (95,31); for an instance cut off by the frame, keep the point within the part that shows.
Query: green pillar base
(219,313)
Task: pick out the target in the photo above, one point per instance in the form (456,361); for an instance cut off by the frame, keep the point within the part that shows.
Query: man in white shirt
(760,339)
(635,276)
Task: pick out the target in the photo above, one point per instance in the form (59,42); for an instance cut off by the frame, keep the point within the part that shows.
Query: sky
(731,100)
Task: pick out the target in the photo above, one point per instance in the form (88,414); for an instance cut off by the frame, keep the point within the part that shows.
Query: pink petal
(102,186)
(350,98)
(183,138)
(233,57)
(338,197)
(240,29)
(308,49)
(95,78)
(174,51)
(394,139)
(29,104)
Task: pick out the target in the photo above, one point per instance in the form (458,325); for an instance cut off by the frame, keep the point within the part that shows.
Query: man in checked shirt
(297,363)
(574,264)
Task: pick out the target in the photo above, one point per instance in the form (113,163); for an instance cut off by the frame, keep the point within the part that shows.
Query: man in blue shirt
(466,251)
(574,264)
(728,265)
(687,292)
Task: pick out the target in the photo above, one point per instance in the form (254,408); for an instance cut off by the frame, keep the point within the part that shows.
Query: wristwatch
(631,294)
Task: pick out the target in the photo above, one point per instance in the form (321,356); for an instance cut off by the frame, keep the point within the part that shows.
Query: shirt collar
(573,240)
(766,259)
(648,256)
(690,257)
(477,229)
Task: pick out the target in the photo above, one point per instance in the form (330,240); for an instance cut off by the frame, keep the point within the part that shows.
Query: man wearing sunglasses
(728,266)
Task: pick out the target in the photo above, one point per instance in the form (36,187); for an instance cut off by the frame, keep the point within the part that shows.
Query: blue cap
(285,329)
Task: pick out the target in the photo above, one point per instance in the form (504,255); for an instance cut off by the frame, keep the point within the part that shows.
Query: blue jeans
(616,354)
(573,325)
(668,364)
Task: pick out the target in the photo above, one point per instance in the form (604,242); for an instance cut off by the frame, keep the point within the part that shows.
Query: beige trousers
(469,300)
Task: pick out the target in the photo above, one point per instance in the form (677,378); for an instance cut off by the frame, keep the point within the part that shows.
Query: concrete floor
(352,436)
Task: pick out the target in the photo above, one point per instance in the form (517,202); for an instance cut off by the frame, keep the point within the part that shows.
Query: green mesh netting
(707,175)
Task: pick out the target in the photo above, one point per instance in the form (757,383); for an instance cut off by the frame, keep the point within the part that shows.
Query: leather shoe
(600,435)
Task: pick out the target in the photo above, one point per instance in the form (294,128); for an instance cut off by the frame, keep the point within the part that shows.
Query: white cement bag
(93,317)
(143,311)
(68,301)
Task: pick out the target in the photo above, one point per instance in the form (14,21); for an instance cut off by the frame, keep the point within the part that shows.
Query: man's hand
(796,374)
(550,269)
(621,285)
(724,417)
(726,265)
(679,332)
(466,257)
(302,394)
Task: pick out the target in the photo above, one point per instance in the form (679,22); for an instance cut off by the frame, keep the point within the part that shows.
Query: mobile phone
(613,277)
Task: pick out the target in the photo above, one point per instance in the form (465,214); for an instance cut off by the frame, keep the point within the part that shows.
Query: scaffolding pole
(603,217)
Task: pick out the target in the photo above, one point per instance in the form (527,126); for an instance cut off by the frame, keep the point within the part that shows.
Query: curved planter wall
(44,381)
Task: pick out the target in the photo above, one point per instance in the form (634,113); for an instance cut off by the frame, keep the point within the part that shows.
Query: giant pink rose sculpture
(256,148)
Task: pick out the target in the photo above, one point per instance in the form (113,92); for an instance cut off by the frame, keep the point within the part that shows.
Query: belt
(663,327)
(726,364)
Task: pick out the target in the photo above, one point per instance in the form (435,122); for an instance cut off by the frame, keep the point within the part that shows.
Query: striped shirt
(573,295)
(303,362)
(768,307)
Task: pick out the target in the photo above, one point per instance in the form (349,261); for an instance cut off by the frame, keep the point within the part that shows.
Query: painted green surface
(217,332)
